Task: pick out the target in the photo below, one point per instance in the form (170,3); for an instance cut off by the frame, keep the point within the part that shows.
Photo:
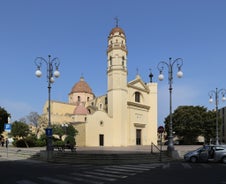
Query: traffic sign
(49,132)
(7,127)
(160,129)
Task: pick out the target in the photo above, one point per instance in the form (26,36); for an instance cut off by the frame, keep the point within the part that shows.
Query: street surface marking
(54,180)
(166,166)
(115,172)
(186,165)
(105,174)
(25,182)
(80,179)
(151,166)
(120,170)
(139,169)
(206,165)
(95,177)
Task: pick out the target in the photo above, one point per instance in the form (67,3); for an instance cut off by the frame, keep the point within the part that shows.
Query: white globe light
(179,74)
(52,80)
(210,100)
(38,73)
(56,73)
(223,98)
(161,77)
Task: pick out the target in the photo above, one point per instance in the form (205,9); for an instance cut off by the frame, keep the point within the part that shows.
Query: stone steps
(89,157)
(108,158)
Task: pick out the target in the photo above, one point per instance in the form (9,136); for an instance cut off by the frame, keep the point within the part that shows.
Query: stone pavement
(13,153)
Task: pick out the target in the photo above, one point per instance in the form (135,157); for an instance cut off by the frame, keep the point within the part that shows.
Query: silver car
(215,153)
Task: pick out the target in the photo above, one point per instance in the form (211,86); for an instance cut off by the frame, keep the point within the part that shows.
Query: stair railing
(157,149)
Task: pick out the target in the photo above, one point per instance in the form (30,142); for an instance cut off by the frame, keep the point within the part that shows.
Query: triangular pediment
(138,84)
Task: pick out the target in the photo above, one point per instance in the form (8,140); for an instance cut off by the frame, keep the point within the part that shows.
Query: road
(21,172)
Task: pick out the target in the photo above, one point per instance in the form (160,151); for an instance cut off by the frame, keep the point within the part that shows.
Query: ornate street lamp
(50,63)
(179,63)
(65,126)
(216,95)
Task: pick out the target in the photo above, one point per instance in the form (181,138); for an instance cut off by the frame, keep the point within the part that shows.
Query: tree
(4,115)
(33,118)
(20,130)
(209,126)
(41,125)
(58,130)
(71,131)
(68,130)
(189,122)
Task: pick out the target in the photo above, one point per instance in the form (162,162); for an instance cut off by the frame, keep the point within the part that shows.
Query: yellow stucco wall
(81,136)
(99,123)
(60,112)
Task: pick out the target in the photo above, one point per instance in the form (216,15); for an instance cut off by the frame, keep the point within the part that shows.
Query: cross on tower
(137,71)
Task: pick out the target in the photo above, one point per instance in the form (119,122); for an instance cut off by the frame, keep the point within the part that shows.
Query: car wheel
(224,160)
(193,159)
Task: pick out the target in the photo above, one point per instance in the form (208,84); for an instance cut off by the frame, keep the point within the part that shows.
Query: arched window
(137,97)
(79,98)
(123,59)
(110,60)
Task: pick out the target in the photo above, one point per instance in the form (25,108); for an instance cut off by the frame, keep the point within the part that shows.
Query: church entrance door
(101,139)
(138,136)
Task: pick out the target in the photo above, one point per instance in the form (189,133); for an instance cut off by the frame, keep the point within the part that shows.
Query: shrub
(19,143)
(58,143)
(70,139)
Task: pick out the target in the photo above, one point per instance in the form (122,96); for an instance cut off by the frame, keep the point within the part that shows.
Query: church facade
(125,116)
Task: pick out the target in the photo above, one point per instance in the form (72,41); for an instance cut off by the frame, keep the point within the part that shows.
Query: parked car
(214,153)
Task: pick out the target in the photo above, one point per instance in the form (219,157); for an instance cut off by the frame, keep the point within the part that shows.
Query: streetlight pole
(216,95)
(64,126)
(50,79)
(169,65)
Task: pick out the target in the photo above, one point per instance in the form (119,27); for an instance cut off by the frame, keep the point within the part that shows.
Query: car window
(218,148)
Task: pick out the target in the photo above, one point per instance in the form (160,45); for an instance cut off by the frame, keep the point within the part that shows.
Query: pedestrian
(6,143)
(2,142)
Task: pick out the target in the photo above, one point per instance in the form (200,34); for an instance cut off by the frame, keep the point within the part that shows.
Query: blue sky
(76,32)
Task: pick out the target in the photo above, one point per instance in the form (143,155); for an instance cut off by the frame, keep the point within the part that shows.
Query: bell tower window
(137,97)
(110,59)
(123,61)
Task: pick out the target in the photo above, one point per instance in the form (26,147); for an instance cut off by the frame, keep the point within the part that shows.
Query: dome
(80,110)
(81,87)
(117,29)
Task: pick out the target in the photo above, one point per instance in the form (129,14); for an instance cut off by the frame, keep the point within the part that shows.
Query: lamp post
(216,93)
(50,79)
(169,65)
(64,126)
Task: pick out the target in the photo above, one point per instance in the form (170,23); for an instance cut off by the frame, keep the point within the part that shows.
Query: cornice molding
(138,105)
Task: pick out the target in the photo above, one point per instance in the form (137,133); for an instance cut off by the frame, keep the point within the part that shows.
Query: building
(125,116)
(222,128)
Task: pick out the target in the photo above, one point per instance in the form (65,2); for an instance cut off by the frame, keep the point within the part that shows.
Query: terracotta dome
(80,110)
(81,87)
(117,29)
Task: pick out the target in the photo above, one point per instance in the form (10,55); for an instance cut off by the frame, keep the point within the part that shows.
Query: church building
(125,116)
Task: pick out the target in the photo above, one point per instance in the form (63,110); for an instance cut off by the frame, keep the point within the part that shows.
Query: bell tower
(117,83)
